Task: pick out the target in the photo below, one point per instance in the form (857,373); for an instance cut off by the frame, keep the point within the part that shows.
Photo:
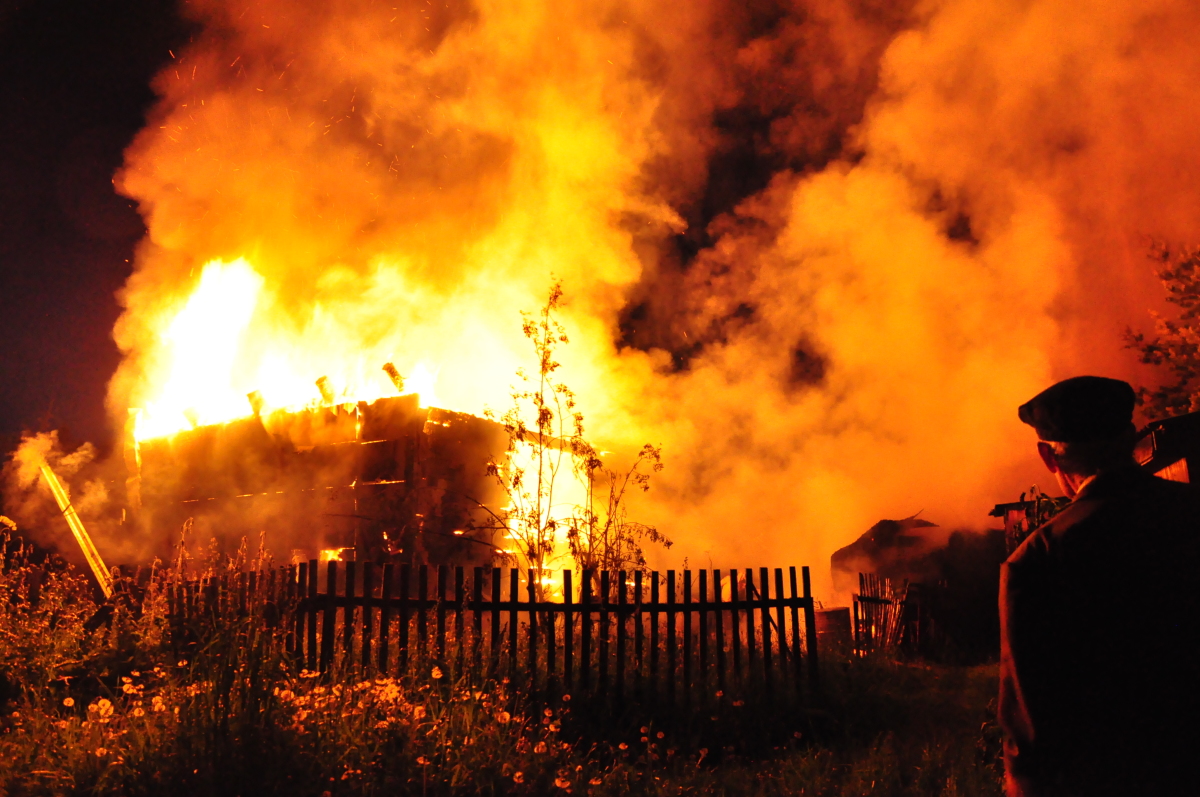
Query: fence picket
(385,617)
(600,663)
(368,616)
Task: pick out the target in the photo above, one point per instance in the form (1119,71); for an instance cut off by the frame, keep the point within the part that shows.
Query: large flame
(819,250)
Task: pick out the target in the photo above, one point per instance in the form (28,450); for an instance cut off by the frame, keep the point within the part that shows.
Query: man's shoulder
(1113,504)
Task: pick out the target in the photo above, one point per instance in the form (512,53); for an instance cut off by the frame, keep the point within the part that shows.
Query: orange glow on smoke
(951,214)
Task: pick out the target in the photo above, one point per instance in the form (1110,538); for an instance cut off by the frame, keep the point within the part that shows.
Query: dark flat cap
(1079,409)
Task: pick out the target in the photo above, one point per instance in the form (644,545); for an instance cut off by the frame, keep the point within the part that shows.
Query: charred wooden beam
(394,375)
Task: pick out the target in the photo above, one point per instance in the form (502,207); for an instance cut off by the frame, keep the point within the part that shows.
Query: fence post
(477,622)
(349,614)
(495,665)
(568,632)
(385,617)
(687,636)
(460,597)
(585,631)
(422,612)
(531,586)
(443,576)
(604,629)
(764,582)
(810,632)
(671,642)
(328,617)
(735,625)
(720,635)
(796,673)
(702,661)
(312,614)
(514,597)
(638,633)
(622,619)
(368,616)
(654,606)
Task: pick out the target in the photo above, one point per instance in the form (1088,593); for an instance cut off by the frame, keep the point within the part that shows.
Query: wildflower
(661,734)
(68,701)
(381,724)
(623,746)
(129,689)
(720,693)
(418,712)
(102,707)
(644,740)
(139,712)
(126,680)
(548,713)
(595,782)
(437,673)
(61,725)
(156,704)
(101,752)
(562,783)
(644,729)
(566,698)
(503,717)
(518,777)
(554,726)
(422,760)
(182,663)
(540,747)
(739,703)
(135,674)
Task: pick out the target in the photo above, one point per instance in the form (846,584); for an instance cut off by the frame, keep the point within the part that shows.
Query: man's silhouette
(1099,614)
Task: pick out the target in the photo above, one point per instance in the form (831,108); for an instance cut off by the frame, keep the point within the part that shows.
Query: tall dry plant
(597,530)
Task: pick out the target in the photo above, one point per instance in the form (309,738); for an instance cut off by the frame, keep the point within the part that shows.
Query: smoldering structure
(381,480)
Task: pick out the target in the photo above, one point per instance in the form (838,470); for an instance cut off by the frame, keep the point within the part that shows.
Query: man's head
(1084,426)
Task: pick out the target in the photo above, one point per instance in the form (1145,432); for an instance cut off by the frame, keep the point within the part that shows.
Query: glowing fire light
(214,364)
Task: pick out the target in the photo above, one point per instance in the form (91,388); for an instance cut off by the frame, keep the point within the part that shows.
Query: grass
(116,709)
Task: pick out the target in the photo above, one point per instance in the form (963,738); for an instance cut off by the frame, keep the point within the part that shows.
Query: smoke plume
(819,250)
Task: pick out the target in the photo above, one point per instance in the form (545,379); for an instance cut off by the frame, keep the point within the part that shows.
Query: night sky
(74,89)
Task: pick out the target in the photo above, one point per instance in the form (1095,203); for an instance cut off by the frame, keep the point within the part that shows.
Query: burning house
(387,479)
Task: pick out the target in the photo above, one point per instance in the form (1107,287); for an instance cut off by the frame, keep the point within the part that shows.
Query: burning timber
(385,480)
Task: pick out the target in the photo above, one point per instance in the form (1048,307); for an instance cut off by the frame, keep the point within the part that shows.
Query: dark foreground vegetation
(107,703)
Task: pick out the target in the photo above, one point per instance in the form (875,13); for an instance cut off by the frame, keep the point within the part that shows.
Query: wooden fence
(681,636)
(879,613)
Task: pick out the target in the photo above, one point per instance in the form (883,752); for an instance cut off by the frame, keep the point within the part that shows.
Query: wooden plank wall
(680,635)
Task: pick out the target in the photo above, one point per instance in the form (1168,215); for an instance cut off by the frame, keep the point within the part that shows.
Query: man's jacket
(1099,661)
